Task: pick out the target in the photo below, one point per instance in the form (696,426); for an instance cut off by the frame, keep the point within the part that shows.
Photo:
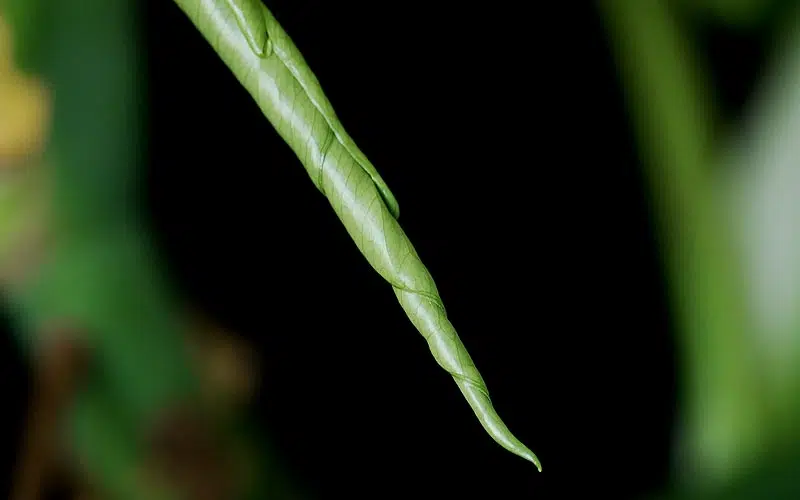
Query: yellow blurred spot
(24,107)
(228,366)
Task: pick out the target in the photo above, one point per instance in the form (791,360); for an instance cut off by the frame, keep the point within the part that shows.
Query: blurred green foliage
(736,417)
(739,439)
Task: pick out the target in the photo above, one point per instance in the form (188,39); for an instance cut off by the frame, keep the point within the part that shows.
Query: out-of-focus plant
(119,364)
(77,265)
(730,224)
(25,105)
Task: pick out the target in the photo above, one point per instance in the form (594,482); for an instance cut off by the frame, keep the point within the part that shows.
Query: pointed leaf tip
(531,457)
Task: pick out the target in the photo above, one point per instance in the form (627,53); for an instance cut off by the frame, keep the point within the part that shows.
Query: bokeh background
(504,131)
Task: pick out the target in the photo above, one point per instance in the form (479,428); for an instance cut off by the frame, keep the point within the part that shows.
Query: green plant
(97,278)
(262,56)
(100,282)
(735,412)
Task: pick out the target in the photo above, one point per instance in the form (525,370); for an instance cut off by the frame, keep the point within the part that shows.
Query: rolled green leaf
(291,98)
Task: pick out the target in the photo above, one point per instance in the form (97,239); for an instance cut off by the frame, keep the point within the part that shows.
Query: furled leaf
(291,98)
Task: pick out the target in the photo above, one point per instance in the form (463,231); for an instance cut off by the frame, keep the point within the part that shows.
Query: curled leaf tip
(424,307)
(522,452)
(530,457)
(535,461)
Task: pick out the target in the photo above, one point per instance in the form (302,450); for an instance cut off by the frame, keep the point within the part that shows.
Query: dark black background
(504,136)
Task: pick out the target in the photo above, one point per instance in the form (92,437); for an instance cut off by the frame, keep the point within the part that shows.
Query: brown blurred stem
(226,364)
(57,373)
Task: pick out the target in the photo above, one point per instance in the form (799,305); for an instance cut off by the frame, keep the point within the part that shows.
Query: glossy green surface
(291,98)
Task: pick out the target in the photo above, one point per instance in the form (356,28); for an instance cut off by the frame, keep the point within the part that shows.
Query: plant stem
(721,406)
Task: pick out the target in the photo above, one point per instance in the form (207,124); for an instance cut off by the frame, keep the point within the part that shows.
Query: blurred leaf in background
(25,118)
(24,106)
(760,193)
(730,234)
